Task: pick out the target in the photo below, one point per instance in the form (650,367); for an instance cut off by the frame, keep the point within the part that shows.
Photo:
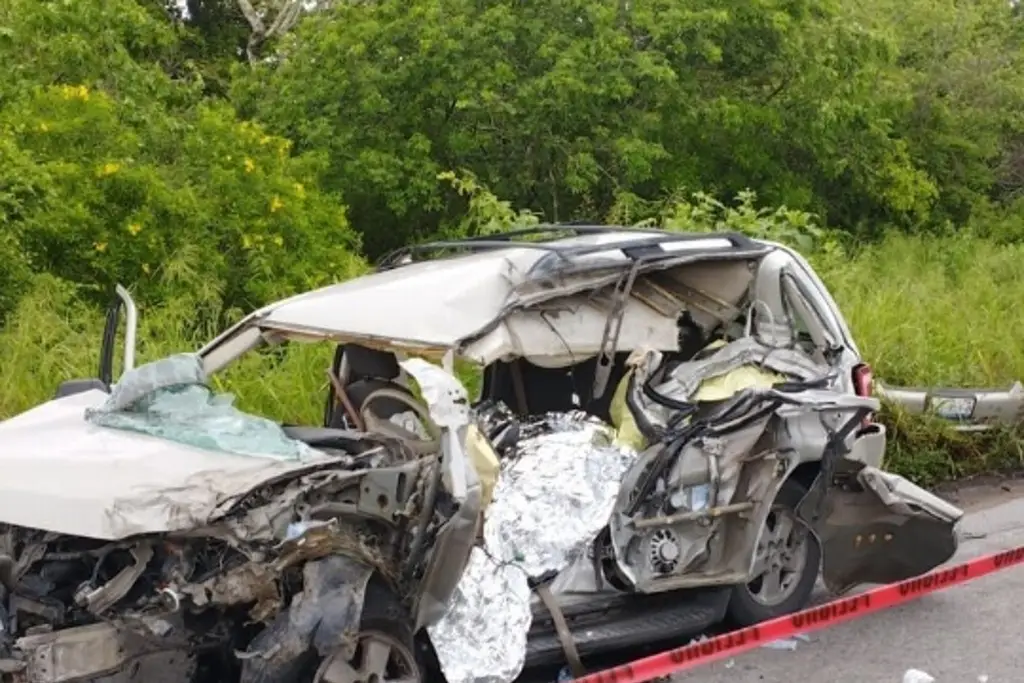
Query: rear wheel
(786,564)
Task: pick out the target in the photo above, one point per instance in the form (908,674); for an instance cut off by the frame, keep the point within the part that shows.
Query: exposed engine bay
(293,555)
(194,597)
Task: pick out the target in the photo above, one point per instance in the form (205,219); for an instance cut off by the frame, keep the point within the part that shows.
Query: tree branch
(287,16)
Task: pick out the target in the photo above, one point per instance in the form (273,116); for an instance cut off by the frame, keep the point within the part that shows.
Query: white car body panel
(65,475)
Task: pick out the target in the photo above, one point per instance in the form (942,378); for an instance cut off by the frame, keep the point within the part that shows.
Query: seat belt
(572,655)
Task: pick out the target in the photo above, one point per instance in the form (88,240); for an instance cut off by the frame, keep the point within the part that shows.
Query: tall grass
(929,311)
(53,337)
(924,311)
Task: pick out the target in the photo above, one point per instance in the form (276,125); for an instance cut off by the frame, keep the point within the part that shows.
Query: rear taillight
(863,378)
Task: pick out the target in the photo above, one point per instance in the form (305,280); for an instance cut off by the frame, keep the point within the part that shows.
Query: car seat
(370,381)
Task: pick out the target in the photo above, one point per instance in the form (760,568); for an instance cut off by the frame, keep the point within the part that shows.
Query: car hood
(62,474)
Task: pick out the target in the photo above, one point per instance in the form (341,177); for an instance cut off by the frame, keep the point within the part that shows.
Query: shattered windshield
(170,399)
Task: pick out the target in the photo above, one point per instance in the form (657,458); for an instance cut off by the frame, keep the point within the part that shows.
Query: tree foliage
(868,113)
(137,140)
(216,154)
(113,170)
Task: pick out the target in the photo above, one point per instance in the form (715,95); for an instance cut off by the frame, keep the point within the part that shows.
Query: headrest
(366,363)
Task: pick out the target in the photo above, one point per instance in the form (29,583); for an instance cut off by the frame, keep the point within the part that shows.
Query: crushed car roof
(438,303)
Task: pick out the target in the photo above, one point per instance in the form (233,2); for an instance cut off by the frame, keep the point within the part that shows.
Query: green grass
(52,337)
(929,311)
(924,312)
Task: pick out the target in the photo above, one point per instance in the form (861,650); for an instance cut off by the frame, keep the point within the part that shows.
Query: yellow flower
(250,165)
(74,92)
(134,229)
(109,168)
(300,191)
(276,204)
(145,268)
(43,127)
(100,246)
(278,240)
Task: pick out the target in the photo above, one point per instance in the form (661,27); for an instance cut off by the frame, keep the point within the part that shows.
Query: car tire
(384,623)
(796,564)
(386,627)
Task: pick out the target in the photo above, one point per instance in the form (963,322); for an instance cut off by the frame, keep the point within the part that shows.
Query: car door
(877,527)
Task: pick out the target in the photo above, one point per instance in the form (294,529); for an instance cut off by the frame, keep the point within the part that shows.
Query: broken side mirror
(105,379)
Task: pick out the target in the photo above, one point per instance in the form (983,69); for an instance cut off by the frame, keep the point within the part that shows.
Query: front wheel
(786,564)
(379,657)
(384,653)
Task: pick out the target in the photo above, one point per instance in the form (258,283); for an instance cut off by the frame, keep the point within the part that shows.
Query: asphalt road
(970,633)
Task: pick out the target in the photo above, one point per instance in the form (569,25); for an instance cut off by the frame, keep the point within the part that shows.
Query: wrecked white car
(661,413)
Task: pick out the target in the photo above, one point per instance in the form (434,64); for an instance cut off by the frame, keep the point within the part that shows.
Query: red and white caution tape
(813,619)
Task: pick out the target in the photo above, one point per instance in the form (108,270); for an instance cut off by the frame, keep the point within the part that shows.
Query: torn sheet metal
(706,472)
(430,308)
(325,616)
(169,399)
(448,403)
(443,393)
(714,365)
(920,528)
(553,496)
(110,484)
(570,330)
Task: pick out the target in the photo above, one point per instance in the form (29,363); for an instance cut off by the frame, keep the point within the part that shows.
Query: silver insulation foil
(554,494)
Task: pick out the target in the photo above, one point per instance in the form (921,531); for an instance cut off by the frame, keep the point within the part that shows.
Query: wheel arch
(806,473)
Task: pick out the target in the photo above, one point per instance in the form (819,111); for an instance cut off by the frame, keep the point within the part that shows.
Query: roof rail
(646,238)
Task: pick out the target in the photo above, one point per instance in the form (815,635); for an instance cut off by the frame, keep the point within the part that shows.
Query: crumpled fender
(321,619)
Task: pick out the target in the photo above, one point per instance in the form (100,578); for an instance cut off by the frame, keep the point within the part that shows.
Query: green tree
(128,174)
(564,107)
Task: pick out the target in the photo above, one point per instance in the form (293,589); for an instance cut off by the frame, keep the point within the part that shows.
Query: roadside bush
(934,311)
(116,167)
(102,199)
(869,113)
(926,450)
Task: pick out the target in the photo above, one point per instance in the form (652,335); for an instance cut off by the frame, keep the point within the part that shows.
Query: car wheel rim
(378,658)
(781,558)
